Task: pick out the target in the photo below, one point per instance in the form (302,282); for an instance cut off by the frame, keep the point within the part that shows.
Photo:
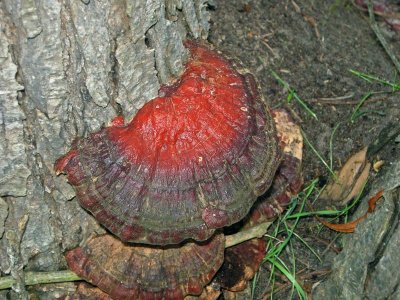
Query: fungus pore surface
(192,160)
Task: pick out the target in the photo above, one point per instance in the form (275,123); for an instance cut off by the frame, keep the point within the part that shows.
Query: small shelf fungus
(147,272)
(189,162)
(168,184)
(240,264)
(288,179)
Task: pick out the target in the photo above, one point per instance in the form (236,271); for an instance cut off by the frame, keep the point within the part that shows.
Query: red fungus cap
(147,272)
(189,162)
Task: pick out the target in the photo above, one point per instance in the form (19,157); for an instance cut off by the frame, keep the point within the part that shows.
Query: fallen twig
(346,100)
(32,278)
(242,236)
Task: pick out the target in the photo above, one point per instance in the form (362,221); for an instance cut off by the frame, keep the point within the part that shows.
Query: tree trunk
(67,68)
(368,266)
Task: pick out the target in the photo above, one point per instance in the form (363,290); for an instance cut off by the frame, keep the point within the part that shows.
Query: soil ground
(312,45)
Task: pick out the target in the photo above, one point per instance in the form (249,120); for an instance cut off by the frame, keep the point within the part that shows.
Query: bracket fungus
(147,272)
(242,260)
(240,264)
(288,179)
(190,163)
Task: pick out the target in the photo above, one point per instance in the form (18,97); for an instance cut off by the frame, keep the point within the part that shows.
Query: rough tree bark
(368,266)
(66,68)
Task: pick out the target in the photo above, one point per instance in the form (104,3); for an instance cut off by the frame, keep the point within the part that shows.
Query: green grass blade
(308,246)
(290,277)
(293,95)
(318,155)
(370,78)
(331,145)
(359,104)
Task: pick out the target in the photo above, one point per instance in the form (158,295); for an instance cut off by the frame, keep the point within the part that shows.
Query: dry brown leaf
(345,227)
(351,226)
(373,200)
(350,180)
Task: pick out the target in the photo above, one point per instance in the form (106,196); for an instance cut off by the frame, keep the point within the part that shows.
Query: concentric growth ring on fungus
(147,272)
(189,162)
